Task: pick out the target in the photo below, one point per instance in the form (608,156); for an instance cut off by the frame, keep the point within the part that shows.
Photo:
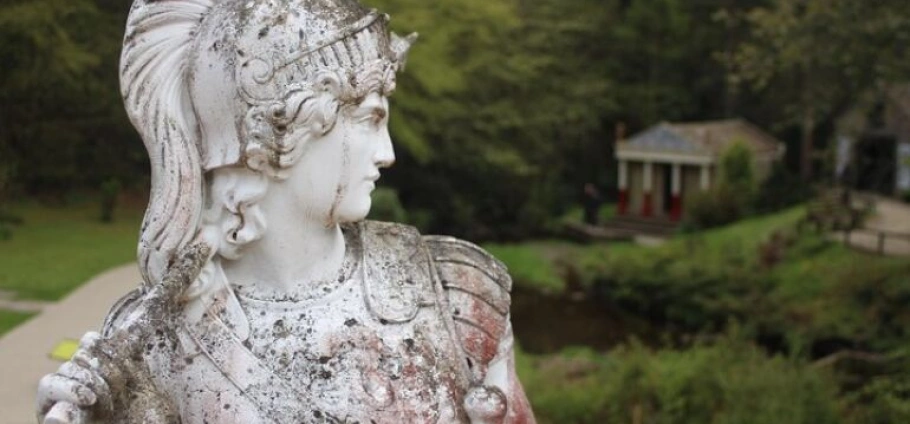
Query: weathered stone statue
(266,297)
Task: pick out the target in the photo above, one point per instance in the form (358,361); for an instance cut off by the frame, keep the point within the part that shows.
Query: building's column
(705,177)
(647,188)
(623,187)
(676,190)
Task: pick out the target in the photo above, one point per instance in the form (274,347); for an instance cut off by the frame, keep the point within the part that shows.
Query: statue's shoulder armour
(477,286)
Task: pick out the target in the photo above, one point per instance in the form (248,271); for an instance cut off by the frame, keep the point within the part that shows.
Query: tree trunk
(808,133)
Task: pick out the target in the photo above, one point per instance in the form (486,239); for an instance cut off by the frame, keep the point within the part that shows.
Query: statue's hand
(80,388)
(485,405)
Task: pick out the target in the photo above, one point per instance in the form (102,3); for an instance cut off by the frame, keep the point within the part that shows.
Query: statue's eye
(374,115)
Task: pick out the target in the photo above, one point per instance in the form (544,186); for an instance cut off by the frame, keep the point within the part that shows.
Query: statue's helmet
(211,84)
(256,61)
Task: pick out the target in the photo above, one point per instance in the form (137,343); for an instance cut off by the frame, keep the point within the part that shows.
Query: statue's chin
(353,211)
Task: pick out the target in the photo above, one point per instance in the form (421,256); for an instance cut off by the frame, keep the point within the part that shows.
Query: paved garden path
(890,217)
(24,351)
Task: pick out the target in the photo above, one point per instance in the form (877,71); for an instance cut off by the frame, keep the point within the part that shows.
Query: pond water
(546,323)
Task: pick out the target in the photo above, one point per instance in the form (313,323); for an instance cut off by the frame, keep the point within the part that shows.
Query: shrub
(729,382)
(387,207)
(713,208)
(868,304)
(737,171)
(676,292)
(732,196)
(885,400)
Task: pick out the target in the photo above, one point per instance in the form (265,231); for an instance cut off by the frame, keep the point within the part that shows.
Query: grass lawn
(540,264)
(533,263)
(10,319)
(576,214)
(56,249)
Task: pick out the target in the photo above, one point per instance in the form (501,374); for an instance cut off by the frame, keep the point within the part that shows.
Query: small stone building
(873,142)
(665,164)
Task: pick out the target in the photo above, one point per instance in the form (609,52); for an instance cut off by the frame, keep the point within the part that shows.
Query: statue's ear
(328,82)
(401,46)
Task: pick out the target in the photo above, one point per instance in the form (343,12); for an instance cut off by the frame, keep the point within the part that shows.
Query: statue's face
(337,172)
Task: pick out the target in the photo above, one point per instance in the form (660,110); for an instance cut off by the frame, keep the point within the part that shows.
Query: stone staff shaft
(158,308)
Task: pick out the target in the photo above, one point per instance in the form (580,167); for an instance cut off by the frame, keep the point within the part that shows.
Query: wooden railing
(879,240)
(837,210)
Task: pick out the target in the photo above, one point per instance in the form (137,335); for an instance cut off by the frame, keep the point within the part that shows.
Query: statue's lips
(371,181)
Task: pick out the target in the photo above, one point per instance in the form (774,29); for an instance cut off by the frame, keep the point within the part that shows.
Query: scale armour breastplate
(353,367)
(379,347)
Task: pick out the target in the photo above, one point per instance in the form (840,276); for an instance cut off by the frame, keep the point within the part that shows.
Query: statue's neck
(289,257)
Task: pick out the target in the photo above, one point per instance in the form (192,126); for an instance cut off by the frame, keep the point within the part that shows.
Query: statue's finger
(102,373)
(89,340)
(65,413)
(88,378)
(85,359)
(54,388)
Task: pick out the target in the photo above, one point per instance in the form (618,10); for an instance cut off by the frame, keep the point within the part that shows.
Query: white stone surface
(266,298)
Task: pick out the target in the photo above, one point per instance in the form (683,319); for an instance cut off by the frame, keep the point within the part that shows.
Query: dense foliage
(63,122)
(799,299)
(731,198)
(781,189)
(753,322)
(815,58)
(507,107)
(730,381)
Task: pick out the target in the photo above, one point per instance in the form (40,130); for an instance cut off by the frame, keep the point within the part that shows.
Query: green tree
(737,168)
(41,60)
(64,124)
(732,197)
(816,56)
(648,58)
(490,106)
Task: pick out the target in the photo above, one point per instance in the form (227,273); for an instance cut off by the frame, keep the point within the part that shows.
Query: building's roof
(702,138)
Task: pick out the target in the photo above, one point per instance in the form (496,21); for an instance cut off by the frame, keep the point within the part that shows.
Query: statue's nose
(384,156)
